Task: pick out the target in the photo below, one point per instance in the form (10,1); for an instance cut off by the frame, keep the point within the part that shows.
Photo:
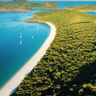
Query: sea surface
(93,13)
(19,41)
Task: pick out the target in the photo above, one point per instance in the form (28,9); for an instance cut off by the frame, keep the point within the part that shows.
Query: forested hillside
(83,8)
(69,66)
(24,5)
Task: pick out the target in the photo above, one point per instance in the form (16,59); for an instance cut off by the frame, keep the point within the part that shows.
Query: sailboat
(32,37)
(20,35)
(20,42)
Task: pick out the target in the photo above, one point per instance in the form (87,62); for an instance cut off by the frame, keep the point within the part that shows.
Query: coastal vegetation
(69,66)
(24,5)
(83,8)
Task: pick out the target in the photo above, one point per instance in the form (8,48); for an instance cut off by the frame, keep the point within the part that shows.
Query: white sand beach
(19,76)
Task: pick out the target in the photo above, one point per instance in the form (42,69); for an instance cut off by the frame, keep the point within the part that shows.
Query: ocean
(19,41)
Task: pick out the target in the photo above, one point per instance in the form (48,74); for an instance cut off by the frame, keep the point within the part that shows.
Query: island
(69,66)
(24,5)
(83,8)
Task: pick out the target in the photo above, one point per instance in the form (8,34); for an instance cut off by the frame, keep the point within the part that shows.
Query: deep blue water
(19,41)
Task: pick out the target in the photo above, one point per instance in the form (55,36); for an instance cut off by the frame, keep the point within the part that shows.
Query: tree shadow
(87,74)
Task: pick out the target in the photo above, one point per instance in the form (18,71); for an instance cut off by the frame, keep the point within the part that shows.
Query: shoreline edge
(7,89)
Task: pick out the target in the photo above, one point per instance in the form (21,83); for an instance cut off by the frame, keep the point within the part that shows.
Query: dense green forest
(83,8)
(24,5)
(69,66)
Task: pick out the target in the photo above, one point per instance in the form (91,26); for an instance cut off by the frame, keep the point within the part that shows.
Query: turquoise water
(19,41)
(93,13)
(64,4)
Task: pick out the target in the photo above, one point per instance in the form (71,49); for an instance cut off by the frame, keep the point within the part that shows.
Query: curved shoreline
(7,89)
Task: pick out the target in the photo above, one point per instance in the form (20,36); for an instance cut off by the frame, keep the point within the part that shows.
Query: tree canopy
(69,66)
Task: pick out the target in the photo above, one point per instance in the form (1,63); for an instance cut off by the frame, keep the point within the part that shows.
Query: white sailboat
(20,42)
(32,37)
(20,35)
